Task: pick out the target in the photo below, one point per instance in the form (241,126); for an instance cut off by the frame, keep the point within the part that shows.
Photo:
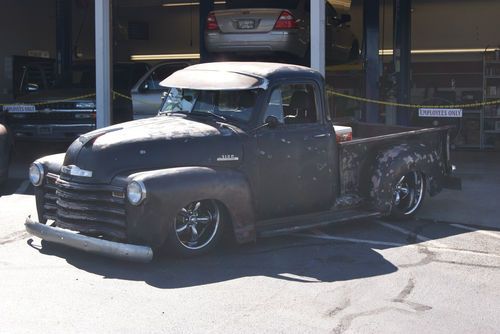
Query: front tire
(197,228)
(408,195)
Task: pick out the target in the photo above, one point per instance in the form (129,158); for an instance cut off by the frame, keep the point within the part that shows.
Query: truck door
(295,173)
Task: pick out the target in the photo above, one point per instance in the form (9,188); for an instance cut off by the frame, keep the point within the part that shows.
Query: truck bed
(359,156)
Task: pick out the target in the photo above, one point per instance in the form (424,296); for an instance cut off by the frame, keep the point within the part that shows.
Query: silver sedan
(259,27)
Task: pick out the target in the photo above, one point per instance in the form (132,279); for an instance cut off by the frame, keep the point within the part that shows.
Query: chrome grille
(88,209)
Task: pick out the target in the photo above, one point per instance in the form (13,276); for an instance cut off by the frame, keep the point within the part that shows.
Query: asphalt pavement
(373,276)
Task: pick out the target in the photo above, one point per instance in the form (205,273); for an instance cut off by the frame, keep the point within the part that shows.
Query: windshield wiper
(170,112)
(208,113)
(194,113)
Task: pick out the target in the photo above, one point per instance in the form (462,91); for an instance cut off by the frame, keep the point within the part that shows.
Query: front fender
(169,190)
(5,146)
(51,164)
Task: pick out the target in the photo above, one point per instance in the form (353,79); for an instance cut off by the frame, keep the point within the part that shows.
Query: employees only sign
(438,112)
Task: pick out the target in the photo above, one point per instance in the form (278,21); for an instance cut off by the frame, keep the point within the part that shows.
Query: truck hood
(150,144)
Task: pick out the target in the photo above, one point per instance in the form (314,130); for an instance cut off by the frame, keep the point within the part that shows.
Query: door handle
(323,135)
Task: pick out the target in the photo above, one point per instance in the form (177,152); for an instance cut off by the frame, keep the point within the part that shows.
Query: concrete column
(64,53)
(318,35)
(371,57)
(103,63)
(402,57)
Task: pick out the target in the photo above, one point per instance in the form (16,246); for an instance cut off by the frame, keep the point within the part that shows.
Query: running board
(274,227)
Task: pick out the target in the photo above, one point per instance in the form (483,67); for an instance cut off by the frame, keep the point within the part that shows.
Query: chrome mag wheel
(409,192)
(197,224)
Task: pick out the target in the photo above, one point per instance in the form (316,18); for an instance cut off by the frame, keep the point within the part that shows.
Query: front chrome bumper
(107,248)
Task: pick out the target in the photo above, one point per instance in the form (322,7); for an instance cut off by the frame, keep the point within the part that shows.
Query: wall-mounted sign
(438,112)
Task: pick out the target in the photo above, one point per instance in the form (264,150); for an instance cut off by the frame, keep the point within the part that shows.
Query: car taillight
(286,21)
(212,22)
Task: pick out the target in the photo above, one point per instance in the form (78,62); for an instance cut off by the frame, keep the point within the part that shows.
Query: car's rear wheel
(408,195)
(197,228)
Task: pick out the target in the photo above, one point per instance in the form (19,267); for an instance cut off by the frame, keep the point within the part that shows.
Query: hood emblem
(76,171)
(228,157)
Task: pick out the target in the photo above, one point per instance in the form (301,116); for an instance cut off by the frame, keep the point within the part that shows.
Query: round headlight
(36,174)
(136,192)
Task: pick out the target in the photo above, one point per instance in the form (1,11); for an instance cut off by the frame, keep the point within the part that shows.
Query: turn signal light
(212,22)
(286,21)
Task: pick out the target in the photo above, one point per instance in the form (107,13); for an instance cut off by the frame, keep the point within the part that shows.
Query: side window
(293,104)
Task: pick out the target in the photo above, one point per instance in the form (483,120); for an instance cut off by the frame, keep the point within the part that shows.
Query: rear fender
(391,164)
(169,190)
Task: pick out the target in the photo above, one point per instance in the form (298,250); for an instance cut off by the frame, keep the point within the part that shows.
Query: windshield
(238,105)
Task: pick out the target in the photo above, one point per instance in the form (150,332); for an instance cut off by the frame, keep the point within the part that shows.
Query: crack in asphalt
(346,321)
(19,235)
(332,313)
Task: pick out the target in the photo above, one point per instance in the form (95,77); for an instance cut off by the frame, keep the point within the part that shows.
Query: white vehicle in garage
(146,93)
(278,27)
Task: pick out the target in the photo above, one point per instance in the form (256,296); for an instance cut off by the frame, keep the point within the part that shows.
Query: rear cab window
(293,104)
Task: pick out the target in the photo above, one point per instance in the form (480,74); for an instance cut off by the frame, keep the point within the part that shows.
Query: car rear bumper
(85,243)
(273,41)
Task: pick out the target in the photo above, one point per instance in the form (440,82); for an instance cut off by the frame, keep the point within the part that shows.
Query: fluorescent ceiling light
(389,52)
(174,56)
(180,4)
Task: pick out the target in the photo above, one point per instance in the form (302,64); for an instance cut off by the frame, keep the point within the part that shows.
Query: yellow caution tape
(48,102)
(115,93)
(330,91)
(416,106)
(137,100)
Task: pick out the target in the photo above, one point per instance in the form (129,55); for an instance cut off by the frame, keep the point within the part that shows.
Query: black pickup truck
(246,149)
(46,109)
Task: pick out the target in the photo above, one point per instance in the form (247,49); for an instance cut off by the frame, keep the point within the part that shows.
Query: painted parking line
(468,228)
(323,236)
(320,235)
(405,231)
(23,187)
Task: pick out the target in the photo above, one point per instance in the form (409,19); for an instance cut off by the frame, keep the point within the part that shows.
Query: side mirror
(144,87)
(31,87)
(272,122)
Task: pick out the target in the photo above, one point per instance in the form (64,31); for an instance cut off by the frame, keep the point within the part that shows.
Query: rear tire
(408,195)
(197,228)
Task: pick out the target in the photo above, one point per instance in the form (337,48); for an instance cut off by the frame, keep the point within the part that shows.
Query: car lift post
(371,58)
(402,57)
(103,63)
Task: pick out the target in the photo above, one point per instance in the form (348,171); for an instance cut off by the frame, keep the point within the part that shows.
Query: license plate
(246,24)
(435,112)
(20,108)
